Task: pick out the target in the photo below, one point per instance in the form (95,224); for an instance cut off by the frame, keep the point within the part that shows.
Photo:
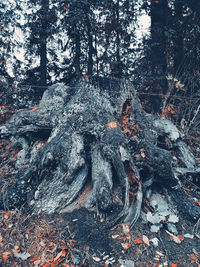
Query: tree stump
(96,133)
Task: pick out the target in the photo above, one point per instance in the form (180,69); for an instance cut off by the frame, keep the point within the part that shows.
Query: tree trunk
(95,133)
(43,43)
(158,50)
(77,54)
(90,46)
(178,44)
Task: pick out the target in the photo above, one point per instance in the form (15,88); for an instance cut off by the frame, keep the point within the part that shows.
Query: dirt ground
(81,239)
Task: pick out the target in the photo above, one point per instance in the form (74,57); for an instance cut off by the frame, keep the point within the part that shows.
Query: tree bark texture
(158,50)
(95,133)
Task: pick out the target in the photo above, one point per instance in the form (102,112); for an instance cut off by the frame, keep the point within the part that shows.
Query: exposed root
(97,134)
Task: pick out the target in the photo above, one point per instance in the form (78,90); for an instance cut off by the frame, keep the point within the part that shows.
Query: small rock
(154,241)
(23,256)
(173,218)
(189,236)
(155,218)
(126,263)
(155,228)
(172,228)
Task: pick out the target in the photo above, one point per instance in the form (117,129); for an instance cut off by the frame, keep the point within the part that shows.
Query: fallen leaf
(138,241)
(126,228)
(180,237)
(96,258)
(48,265)
(159,253)
(195,252)
(6,214)
(33,109)
(59,257)
(196,200)
(145,240)
(5,255)
(17,250)
(126,245)
(33,259)
(42,244)
(37,263)
(112,125)
(173,265)
(115,236)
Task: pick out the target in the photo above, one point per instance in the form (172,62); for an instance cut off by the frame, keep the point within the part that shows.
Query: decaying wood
(96,132)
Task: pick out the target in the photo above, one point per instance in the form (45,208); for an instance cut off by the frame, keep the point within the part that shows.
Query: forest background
(46,41)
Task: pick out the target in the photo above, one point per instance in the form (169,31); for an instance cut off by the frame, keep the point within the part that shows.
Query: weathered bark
(96,132)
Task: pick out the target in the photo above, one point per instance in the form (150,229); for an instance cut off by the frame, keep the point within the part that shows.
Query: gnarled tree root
(95,132)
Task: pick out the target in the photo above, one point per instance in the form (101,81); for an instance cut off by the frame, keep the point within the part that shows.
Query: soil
(80,238)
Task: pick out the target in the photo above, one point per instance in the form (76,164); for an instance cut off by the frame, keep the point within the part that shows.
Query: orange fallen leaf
(59,257)
(173,265)
(6,214)
(17,250)
(5,255)
(197,201)
(48,265)
(138,241)
(112,125)
(180,237)
(33,109)
(34,259)
(126,245)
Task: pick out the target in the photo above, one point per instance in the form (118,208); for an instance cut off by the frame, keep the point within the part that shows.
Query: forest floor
(80,238)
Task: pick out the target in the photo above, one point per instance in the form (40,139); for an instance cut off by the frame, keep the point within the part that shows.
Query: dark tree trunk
(178,43)
(90,46)
(90,52)
(95,133)
(158,50)
(43,43)
(118,40)
(77,54)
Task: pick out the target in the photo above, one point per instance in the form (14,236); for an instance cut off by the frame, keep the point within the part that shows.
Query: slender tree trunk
(90,47)
(178,45)
(43,43)
(77,55)
(119,71)
(158,49)
(97,59)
